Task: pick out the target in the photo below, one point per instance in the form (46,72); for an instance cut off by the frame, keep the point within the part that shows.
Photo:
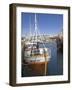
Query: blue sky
(47,23)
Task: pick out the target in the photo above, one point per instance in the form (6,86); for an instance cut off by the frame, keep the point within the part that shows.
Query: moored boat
(36,57)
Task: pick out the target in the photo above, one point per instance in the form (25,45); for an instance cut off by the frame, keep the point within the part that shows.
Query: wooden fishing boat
(36,57)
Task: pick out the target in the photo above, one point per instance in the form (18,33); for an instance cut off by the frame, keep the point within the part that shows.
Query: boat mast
(30,28)
(36,27)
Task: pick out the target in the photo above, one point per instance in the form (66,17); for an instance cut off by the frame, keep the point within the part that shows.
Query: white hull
(36,59)
(41,57)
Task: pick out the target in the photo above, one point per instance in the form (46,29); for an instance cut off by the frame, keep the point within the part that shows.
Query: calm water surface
(55,66)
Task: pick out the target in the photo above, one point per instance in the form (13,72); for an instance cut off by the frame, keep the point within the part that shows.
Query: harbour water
(55,65)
